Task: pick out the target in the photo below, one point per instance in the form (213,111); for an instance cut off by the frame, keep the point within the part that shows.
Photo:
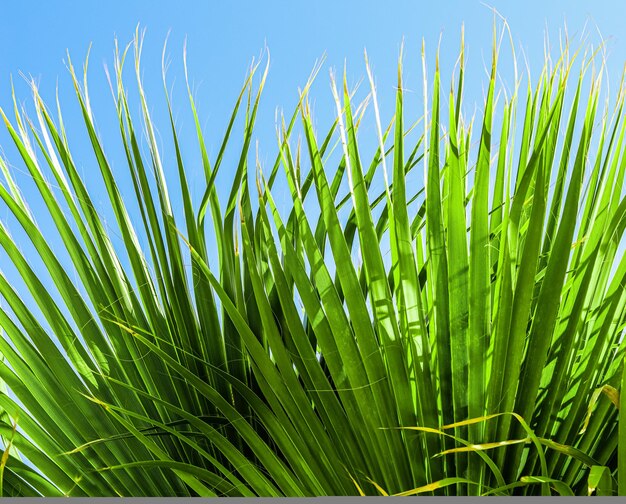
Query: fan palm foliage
(463,335)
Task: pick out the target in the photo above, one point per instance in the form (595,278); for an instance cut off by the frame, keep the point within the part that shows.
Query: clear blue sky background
(224,36)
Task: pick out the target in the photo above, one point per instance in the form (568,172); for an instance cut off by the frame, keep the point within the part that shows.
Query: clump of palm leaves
(460,336)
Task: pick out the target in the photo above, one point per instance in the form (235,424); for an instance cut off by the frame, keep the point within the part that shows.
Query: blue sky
(223,37)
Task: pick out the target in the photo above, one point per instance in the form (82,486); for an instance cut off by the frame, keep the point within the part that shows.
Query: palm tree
(460,336)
